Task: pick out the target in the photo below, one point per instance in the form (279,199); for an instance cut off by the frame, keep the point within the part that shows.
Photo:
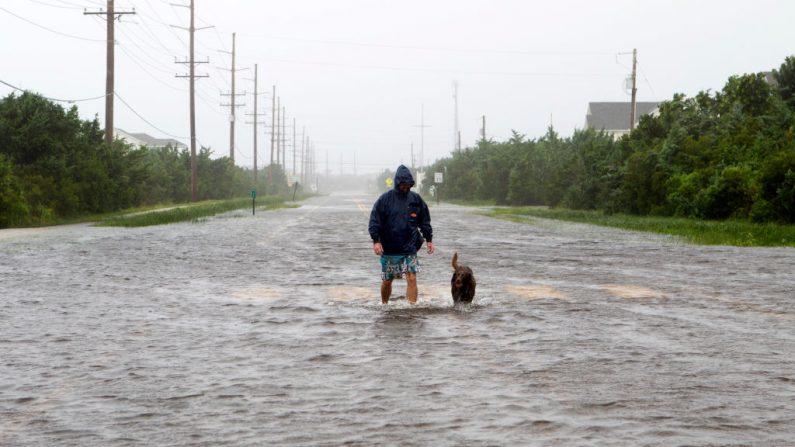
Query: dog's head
(462,276)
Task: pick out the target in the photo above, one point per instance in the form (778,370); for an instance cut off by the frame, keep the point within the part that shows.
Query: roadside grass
(196,212)
(477,203)
(704,232)
(87,218)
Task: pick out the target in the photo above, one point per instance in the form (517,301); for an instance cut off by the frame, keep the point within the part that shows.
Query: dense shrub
(54,165)
(727,154)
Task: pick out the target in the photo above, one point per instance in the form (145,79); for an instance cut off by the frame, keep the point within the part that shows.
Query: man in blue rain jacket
(398,222)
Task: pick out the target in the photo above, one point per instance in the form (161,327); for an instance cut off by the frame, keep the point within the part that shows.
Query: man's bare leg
(411,287)
(386,291)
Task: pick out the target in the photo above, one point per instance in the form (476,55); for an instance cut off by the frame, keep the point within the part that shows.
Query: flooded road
(268,330)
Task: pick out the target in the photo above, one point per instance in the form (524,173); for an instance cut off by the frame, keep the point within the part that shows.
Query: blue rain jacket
(399,221)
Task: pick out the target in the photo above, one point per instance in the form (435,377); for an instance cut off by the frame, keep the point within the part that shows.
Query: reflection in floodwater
(268,330)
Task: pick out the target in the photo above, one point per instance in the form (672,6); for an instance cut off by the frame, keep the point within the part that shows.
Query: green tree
(13,207)
(785,77)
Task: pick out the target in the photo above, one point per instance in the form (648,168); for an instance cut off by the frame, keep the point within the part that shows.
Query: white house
(613,117)
(142,139)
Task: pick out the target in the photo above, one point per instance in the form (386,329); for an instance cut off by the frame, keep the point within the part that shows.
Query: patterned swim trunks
(395,266)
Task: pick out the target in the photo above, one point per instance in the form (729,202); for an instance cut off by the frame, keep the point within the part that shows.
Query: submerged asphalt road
(267,330)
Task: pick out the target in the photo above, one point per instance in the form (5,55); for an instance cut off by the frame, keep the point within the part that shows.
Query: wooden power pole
(255,114)
(111,15)
(284,141)
(278,131)
(194,180)
(232,106)
(273,122)
(279,118)
(634,89)
(303,156)
(255,123)
(422,127)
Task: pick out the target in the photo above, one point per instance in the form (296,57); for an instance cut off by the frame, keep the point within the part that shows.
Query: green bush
(13,207)
(729,195)
(54,165)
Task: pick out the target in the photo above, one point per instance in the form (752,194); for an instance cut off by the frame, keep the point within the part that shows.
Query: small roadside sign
(437,177)
(389,182)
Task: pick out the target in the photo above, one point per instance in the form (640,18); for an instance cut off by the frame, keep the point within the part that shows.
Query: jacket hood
(403,175)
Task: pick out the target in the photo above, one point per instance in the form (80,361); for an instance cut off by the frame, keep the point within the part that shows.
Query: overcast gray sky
(357,73)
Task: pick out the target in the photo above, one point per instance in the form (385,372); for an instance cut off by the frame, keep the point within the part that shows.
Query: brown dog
(462,286)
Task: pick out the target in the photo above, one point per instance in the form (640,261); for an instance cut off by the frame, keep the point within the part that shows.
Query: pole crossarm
(116,14)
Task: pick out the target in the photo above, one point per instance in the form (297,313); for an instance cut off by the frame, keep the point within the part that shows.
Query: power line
(53,99)
(448,71)
(166,25)
(152,64)
(152,33)
(145,39)
(145,120)
(438,49)
(134,59)
(56,6)
(646,79)
(76,5)
(52,30)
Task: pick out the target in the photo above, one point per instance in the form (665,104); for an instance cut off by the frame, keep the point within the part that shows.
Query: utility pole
(306,170)
(313,165)
(256,111)
(634,89)
(294,171)
(232,104)
(303,160)
(278,130)
(273,122)
(110,16)
(483,129)
(283,134)
(422,127)
(255,114)
(456,131)
(194,181)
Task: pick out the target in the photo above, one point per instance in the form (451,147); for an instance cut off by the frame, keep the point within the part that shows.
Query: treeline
(727,154)
(53,165)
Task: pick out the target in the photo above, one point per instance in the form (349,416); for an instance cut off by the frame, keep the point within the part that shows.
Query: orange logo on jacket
(413,214)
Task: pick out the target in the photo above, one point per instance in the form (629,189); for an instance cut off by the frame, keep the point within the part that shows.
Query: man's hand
(430,248)
(378,248)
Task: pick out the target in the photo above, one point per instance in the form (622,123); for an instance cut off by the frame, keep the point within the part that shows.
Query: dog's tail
(455,260)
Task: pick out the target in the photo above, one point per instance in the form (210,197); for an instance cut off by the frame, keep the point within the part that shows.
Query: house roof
(770,78)
(615,115)
(156,142)
(144,139)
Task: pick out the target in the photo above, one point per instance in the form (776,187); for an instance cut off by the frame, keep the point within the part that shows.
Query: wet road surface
(267,330)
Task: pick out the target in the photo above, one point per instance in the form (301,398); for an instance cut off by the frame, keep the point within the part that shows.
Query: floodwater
(268,330)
